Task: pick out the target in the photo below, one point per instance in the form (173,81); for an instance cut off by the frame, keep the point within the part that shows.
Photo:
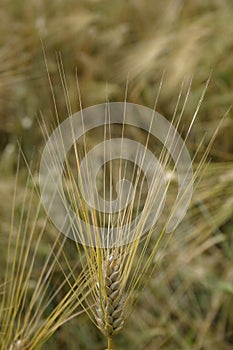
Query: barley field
(160,291)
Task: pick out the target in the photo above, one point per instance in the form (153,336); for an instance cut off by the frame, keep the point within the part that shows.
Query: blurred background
(189,301)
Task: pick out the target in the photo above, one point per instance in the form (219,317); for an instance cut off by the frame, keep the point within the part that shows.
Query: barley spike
(109,310)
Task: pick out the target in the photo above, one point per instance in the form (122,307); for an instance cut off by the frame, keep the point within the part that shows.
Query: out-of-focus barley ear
(17,345)
(33,304)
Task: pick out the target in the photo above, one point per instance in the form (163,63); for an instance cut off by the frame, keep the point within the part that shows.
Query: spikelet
(110,315)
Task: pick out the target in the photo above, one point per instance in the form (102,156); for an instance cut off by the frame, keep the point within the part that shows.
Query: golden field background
(189,300)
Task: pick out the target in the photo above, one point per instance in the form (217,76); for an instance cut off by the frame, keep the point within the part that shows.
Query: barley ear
(109,308)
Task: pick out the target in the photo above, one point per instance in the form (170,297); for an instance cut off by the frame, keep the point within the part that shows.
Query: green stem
(109,343)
